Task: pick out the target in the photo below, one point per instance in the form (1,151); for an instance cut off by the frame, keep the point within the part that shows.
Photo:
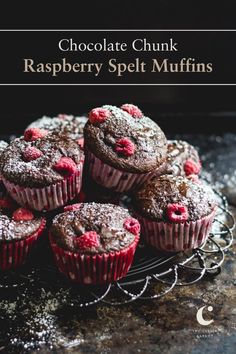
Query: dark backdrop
(177,109)
(183,109)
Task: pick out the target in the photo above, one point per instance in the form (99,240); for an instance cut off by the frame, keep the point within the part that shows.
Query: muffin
(94,243)
(63,123)
(182,159)
(19,232)
(3,145)
(42,170)
(123,147)
(175,213)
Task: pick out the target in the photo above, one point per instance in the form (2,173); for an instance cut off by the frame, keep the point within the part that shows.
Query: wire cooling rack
(151,276)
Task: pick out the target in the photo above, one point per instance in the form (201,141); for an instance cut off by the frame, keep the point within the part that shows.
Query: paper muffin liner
(177,236)
(49,197)
(94,269)
(117,180)
(16,252)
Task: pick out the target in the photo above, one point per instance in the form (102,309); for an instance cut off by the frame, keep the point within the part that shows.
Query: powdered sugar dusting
(67,124)
(38,172)
(3,145)
(32,321)
(154,197)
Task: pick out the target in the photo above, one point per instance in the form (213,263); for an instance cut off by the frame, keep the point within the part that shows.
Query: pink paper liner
(50,197)
(94,269)
(117,180)
(15,253)
(176,237)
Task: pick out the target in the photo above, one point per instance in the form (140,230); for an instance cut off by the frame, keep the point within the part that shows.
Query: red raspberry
(177,213)
(31,153)
(62,116)
(32,134)
(6,203)
(99,115)
(125,147)
(81,142)
(22,214)
(132,225)
(194,178)
(191,167)
(65,166)
(88,240)
(72,207)
(132,110)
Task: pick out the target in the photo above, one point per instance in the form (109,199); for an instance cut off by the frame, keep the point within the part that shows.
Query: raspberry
(132,225)
(31,153)
(88,240)
(99,115)
(177,213)
(193,178)
(81,142)
(32,134)
(6,203)
(65,166)
(191,167)
(72,207)
(132,110)
(125,147)
(62,116)
(22,214)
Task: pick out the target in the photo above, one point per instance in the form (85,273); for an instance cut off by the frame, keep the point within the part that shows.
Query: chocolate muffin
(182,158)
(3,145)
(72,126)
(94,243)
(123,147)
(175,213)
(42,170)
(19,232)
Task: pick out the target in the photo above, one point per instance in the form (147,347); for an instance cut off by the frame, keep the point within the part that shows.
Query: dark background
(177,109)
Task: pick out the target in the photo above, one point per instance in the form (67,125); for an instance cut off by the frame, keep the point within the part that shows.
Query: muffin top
(40,158)
(63,123)
(182,158)
(125,139)
(16,223)
(174,199)
(93,228)
(3,145)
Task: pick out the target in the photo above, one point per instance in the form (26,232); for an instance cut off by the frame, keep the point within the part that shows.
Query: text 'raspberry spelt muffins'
(175,213)
(94,243)
(123,147)
(182,159)
(42,170)
(19,232)
(72,126)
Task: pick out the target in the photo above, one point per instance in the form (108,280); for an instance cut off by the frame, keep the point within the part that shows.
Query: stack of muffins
(119,150)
